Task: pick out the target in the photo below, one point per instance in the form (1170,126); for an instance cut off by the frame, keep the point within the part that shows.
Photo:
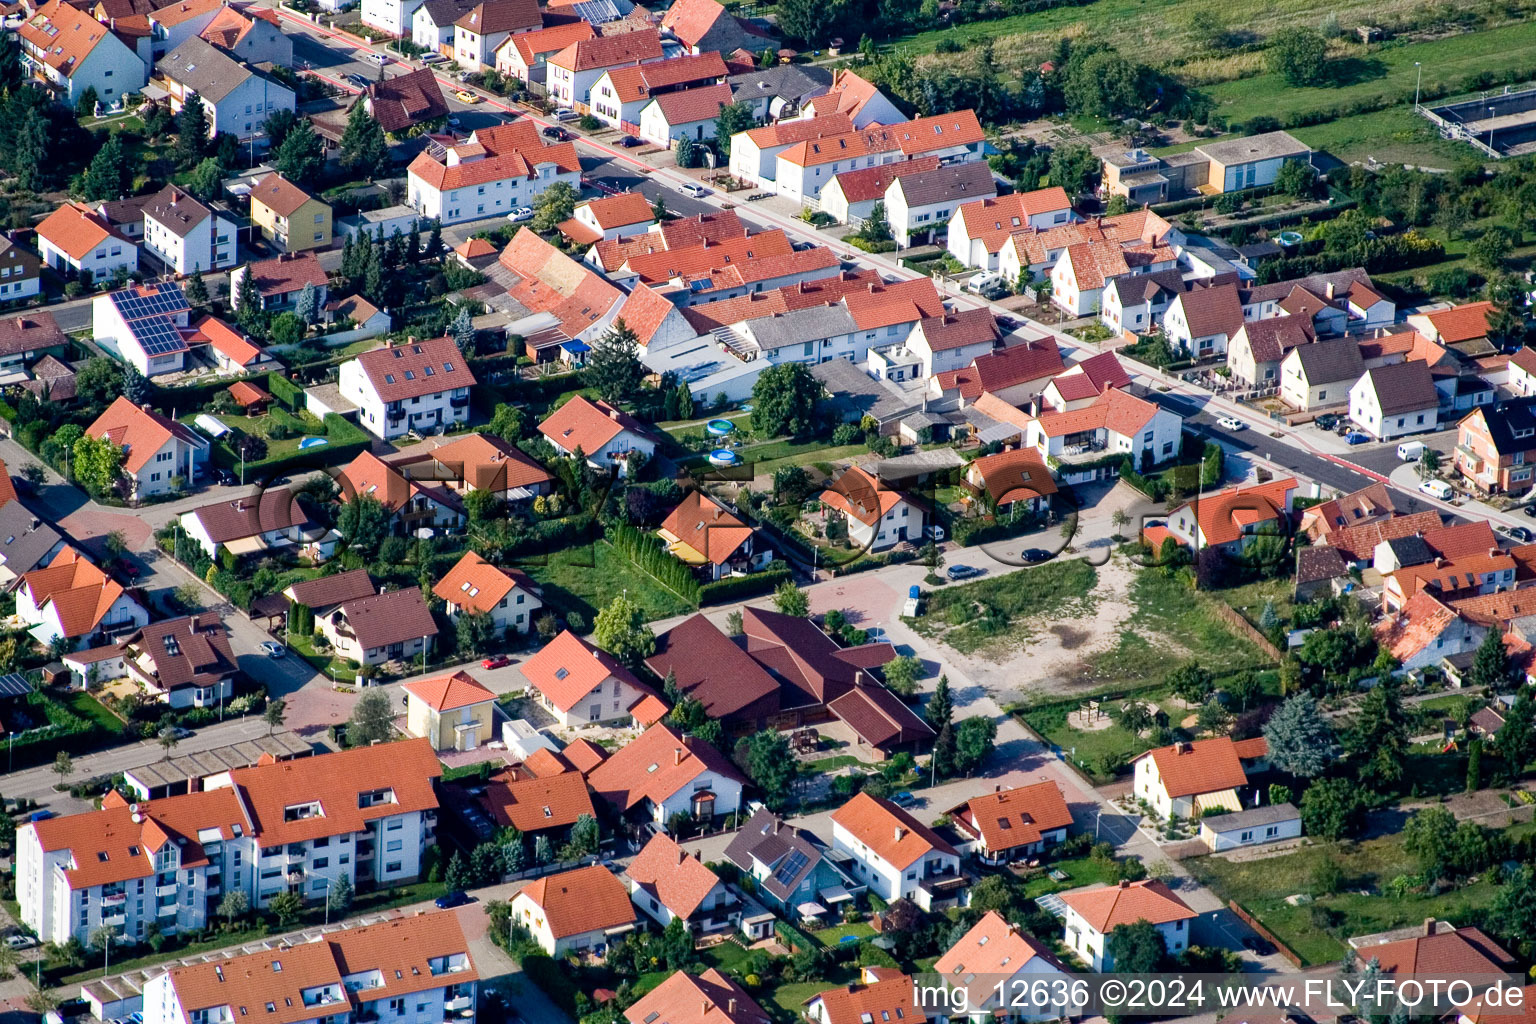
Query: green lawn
(1261,887)
(585,578)
(992,612)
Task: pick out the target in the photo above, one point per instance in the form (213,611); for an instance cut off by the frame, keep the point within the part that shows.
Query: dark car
(1255,944)
(630,142)
(457,898)
(1034,556)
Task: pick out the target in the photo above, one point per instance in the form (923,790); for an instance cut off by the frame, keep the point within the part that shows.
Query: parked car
(496,661)
(457,898)
(1437,489)
(273,649)
(1356,437)
(630,142)
(1231,423)
(520,214)
(696,191)
(465,96)
(963,572)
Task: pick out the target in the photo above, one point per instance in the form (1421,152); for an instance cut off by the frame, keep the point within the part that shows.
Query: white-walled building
(186,235)
(422,386)
(1093,915)
(894,854)
(493,172)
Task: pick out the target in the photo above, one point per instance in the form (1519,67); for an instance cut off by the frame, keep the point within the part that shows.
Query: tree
(733,118)
(901,674)
(234,904)
(1490,665)
(614,366)
(1300,739)
(107,175)
(273,714)
(363,147)
(1331,809)
(286,906)
(307,306)
(553,206)
(1074,168)
(191,131)
(97,462)
(1378,738)
(301,157)
(473,632)
(766,758)
(620,630)
(1136,948)
(372,720)
(975,738)
(197,290)
(63,767)
(791,600)
(877,226)
(1299,55)
(784,400)
(363,523)
(339,898)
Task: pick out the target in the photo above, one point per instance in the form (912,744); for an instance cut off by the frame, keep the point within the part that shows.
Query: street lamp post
(1417,82)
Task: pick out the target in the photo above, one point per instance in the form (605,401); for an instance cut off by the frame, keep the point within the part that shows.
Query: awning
(245,545)
(811,909)
(1225,799)
(834,894)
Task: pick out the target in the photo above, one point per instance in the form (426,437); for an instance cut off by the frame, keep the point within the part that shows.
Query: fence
(1254,923)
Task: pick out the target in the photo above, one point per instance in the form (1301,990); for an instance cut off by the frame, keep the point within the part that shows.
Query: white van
(1437,489)
(1410,451)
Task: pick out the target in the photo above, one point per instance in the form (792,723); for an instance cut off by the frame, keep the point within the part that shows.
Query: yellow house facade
(454,712)
(288,216)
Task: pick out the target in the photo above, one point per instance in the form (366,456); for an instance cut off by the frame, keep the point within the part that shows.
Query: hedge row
(735,588)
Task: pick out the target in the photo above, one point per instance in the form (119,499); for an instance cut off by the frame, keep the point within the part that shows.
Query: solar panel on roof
(14,685)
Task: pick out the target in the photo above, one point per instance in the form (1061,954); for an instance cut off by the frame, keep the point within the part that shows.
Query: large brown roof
(584,900)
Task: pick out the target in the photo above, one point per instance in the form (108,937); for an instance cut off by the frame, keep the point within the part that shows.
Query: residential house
(606,436)
(145,325)
(854,98)
(418,386)
(667,884)
(1093,916)
(850,197)
(1015,482)
(1496,447)
(281,280)
(919,205)
(393,626)
(27,337)
(1257,350)
(877,516)
(484,27)
(417,969)
(454,711)
(76,240)
(493,172)
(1015,374)
(1272,823)
(571,73)
(1202,321)
(979,228)
(583,685)
(523,56)
(755,152)
(993,959)
(247,525)
(20,272)
(1116,421)
(1229,520)
(791,866)
(801,170)
(1463,328)
(253,35)
(608,217)
(881,993)
(1321,374)
(683,114)
(703,535)
(1230,165)
(708,998)
(184,663)
(162,455)
(1394,401)
(894,854)
(704,26)
(572,303)
(237,99)
(432,24)
(1011,824)
(474,586)
(661,774)
(412,504)
(290,218)
(619,94)
(71,52)
(1186,779)
(185,235)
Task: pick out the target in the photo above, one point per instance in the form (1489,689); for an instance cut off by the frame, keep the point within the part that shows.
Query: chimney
(900,832)
(1429,926)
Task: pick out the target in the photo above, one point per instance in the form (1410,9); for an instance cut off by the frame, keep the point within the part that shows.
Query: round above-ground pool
(719,428)
(724,457)
(314,442)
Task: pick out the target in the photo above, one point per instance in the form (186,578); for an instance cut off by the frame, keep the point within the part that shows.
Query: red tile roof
(1108,908)
(449,693)
(894,835)
(1197,767)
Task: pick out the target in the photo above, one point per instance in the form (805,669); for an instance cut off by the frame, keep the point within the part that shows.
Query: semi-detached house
(421,386)
(72,52)
(365,814)
(494,171)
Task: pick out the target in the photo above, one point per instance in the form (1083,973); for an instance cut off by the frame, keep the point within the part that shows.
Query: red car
(499,661)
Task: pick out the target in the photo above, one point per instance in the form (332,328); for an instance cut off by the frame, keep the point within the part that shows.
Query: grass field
(1261,887)
(586,578)
(989,612)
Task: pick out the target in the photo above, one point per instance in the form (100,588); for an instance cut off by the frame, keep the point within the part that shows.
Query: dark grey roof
(1323,362)
(22,544)
(766,838)
(1411,550)
(794,82)
(204,68)
(1248,819)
